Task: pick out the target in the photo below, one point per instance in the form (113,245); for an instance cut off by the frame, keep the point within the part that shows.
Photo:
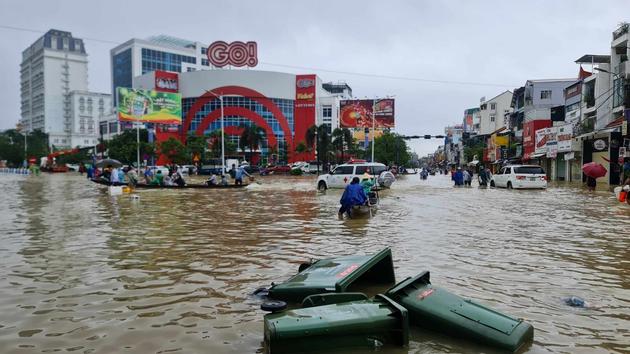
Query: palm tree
(252,136)
(342,140)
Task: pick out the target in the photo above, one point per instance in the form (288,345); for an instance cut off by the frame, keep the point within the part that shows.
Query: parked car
(187,168)
(279,169)
(341,175)
(520,176)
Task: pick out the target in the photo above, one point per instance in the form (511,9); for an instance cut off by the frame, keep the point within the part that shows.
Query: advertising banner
(564,136)
(358,113)
(552,142)
(468,119)
(149,106)
(304,108)
(166,81)
(541,141)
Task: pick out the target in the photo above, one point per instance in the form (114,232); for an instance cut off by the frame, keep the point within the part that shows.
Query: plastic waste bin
(337,275)
(355,324)
(437,309)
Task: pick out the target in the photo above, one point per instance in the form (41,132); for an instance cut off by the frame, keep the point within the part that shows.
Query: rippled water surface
(172,271)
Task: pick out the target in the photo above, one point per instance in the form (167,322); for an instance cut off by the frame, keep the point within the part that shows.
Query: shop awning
(535,156)
(592,134)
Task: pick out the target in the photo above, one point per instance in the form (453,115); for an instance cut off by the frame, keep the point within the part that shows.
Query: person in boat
(158,180)
(367,183)
(224,181)
(232,171)
(132,176)
(121,175)
(114,177)
(148,175)
(178,180)
(168,181)
(212,181)
(352,195)
(238,177)
(107,172)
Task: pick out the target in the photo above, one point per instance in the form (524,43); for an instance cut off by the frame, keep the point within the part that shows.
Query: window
(113,127)
(121,66)
(205,62)
(545,94)
(492,116)
(493,106)
(189,69)
(204,50)
(343,170)
(529,170)
(508,170)
(327,112)
(103,128)
(86,142)
(361,170)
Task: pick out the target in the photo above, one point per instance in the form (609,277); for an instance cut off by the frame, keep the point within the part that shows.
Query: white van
(343,174)
(520,176)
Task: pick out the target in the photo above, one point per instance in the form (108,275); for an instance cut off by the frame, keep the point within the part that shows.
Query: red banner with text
(304,111)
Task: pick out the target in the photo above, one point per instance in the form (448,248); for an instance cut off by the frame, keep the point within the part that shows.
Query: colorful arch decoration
(240,111)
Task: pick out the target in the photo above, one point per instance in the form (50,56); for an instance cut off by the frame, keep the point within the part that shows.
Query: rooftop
(172,42)
(593,59)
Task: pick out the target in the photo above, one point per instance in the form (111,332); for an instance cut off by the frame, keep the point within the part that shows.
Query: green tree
(251,137)
(391,149)
(123,147)
(301,147)
(342,140)
(319,138)
(196,145)
(174,150)
(12,145)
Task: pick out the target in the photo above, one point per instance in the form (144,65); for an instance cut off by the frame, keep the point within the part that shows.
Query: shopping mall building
(284,105)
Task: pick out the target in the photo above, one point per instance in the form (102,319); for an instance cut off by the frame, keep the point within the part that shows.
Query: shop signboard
(564,136)
(304,107)
(600,144)
(358,113)
(541,141)
(166,81)
(552,142)
(149,106)
(237,53)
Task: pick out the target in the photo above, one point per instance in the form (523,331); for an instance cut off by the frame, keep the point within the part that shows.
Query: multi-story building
(137,57)
(539,97)
(493,112)
(453,144)
(87,109)
(52,67)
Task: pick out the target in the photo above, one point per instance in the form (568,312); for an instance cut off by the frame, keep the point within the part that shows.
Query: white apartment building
(52,67)
(87,110)
(494,113)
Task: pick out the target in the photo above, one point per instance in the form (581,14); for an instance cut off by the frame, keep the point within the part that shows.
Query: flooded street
(172,271)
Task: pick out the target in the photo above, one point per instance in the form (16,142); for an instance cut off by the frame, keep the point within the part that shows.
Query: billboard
(304,108)
(149,106)
(237,53)
(358,113)
(166,81)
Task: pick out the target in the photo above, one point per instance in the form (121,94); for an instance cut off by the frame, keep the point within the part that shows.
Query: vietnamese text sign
(149,106)
(564,136)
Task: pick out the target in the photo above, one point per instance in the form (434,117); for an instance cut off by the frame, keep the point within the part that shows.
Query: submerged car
(520,176)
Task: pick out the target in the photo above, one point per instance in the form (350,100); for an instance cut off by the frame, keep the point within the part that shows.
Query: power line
(378,76)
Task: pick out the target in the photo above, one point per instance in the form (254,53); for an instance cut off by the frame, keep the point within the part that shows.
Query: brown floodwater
(172,271)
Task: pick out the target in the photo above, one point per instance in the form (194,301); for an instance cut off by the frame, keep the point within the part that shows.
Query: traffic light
(427,136)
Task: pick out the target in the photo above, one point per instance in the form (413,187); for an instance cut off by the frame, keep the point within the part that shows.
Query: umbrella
(108,162)
(594,169)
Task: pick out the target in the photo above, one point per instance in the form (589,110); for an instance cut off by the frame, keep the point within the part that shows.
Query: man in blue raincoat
(353,195)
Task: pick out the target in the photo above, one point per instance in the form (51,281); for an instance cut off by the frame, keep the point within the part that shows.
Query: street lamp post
(373,126)
(220,97)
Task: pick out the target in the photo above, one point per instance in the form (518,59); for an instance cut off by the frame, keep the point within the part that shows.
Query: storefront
(283,105)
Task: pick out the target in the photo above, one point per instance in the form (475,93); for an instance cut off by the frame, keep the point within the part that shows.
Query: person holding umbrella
(593,170)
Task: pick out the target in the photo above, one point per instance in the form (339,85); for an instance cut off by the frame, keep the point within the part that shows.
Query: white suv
(343,174)
(520,176)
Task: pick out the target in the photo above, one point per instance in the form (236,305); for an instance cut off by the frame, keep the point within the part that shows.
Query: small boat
(367,209)
(154,186)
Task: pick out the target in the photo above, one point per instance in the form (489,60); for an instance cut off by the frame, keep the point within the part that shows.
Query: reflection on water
(172,271)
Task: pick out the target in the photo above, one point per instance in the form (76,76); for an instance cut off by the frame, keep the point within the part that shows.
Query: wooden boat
(154,186)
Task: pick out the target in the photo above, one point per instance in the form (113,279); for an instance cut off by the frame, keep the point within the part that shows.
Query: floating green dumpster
(439,310)
(338,274)
(355,324)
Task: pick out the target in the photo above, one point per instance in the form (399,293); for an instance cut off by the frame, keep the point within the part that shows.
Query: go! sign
(236,53)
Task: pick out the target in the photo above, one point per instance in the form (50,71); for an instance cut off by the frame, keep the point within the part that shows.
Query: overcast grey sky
(497,43)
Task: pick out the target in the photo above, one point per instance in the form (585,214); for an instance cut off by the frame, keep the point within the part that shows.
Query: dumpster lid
(337,274)
(410,284)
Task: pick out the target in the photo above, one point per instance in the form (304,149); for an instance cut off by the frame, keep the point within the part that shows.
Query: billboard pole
(222,139)
(138,144)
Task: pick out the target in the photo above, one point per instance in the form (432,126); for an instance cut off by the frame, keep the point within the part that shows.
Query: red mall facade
(284,105)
